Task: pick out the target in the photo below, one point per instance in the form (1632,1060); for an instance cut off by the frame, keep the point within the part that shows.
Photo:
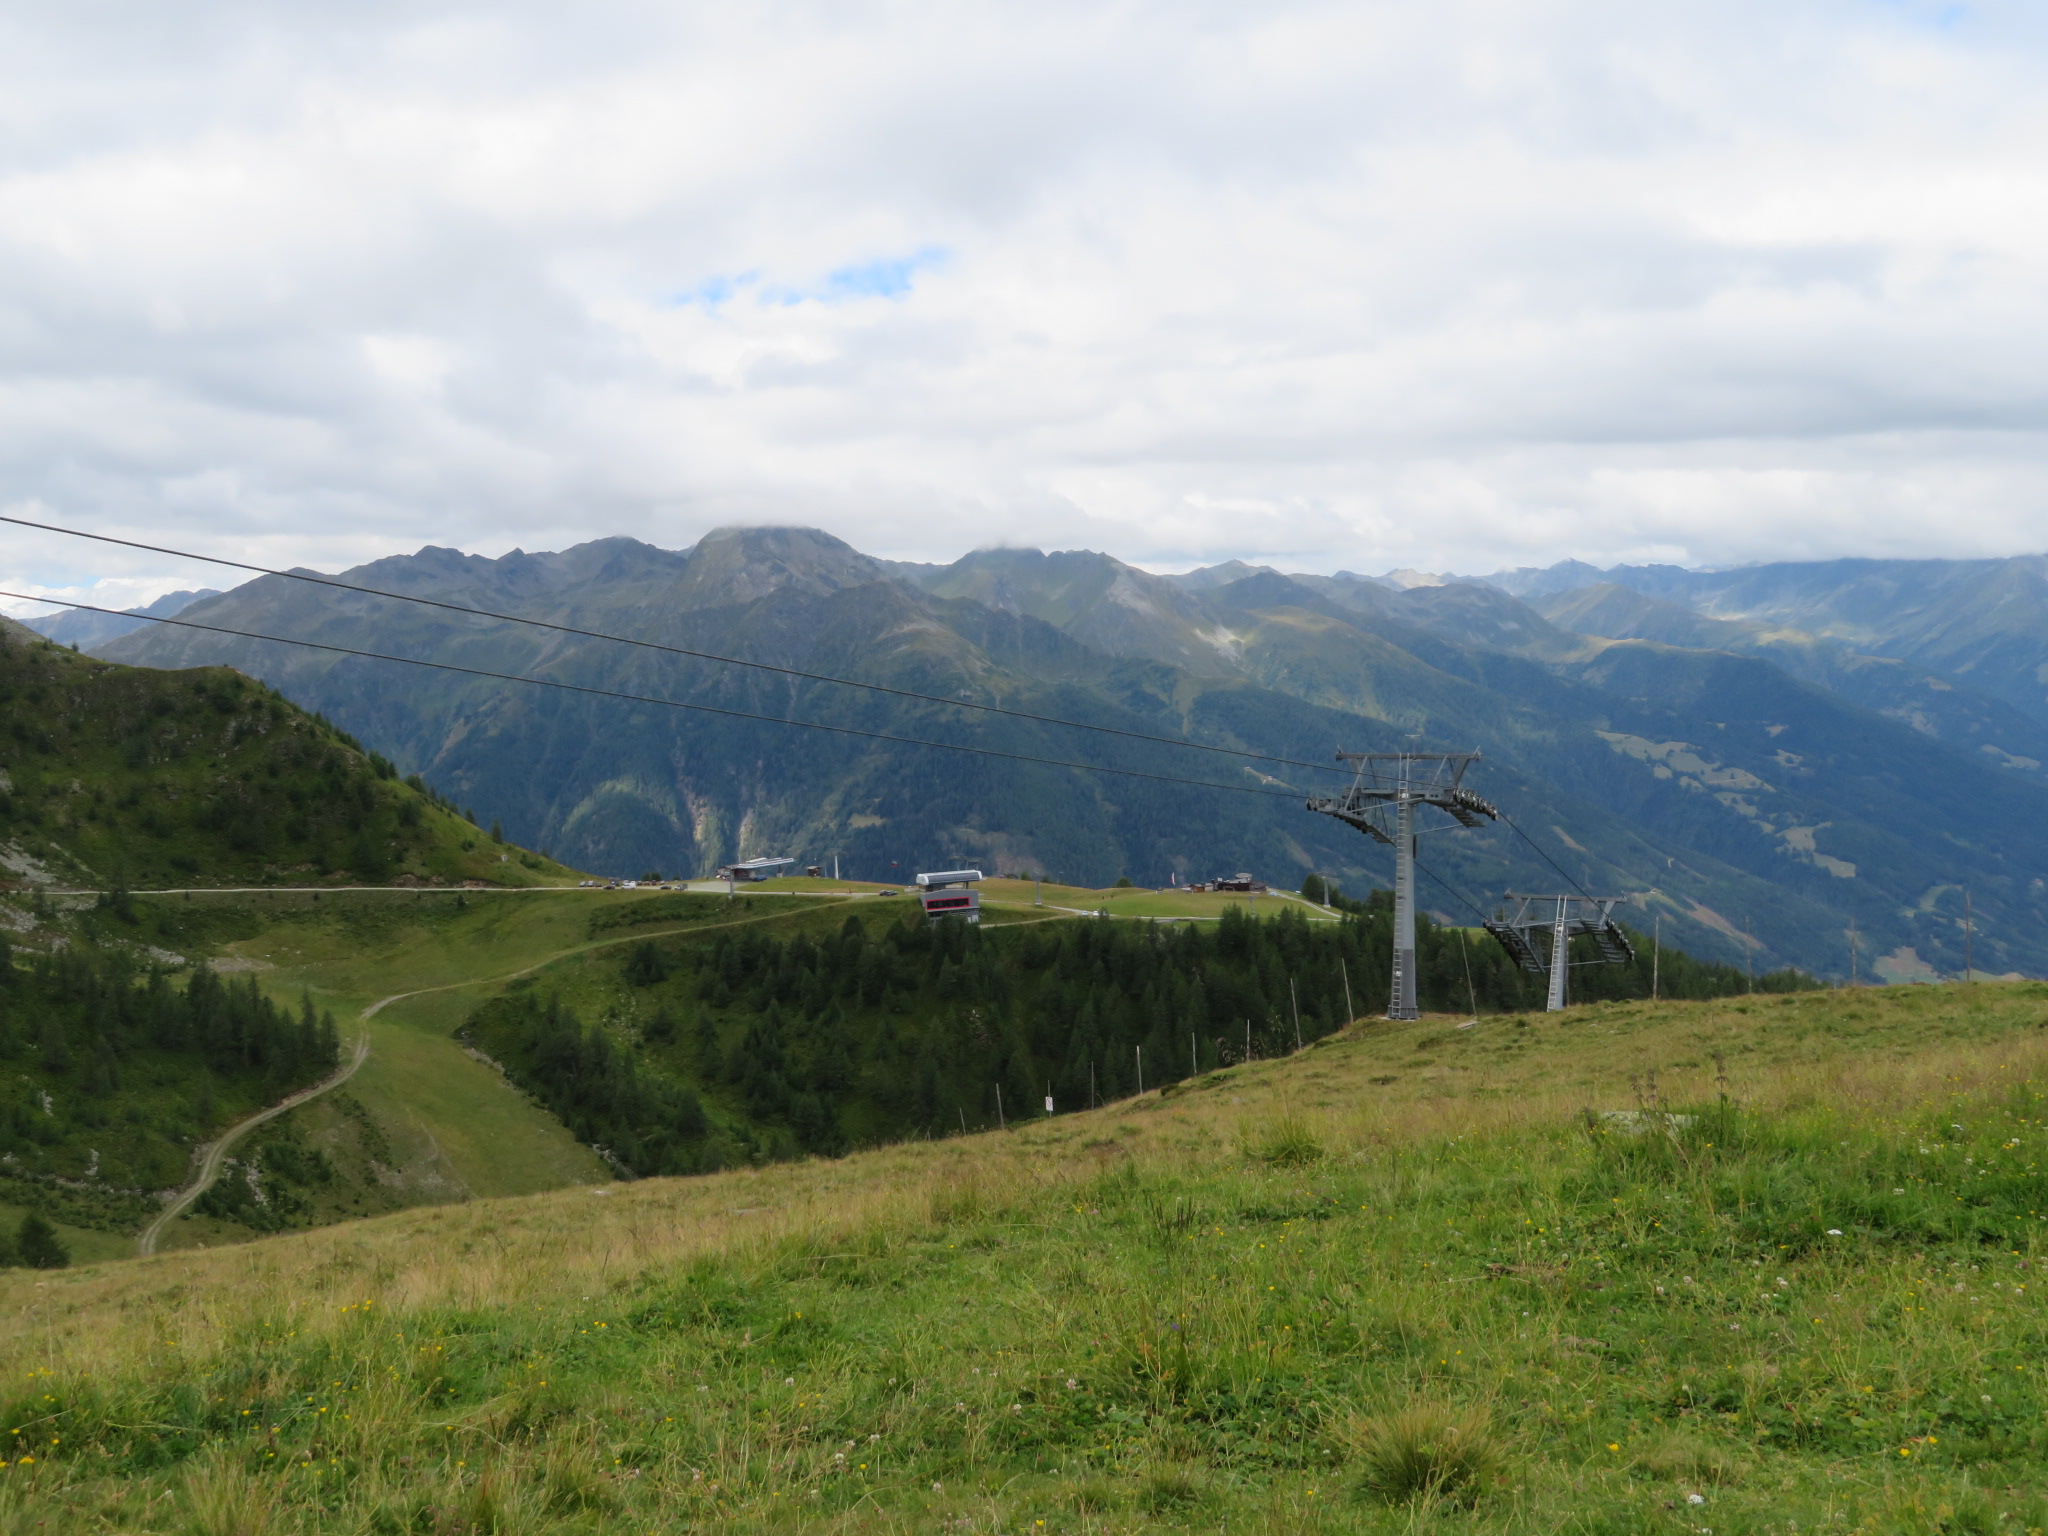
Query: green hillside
(511,1033)
(118,776)
(120,1050)
(1731,1266)
(111,1072)
(844,1025)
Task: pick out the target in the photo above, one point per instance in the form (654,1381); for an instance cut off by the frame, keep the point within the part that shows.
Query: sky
(1440,284)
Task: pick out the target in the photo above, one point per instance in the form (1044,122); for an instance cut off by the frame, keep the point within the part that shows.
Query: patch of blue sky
(714,291)
(1937,15)
(886,277)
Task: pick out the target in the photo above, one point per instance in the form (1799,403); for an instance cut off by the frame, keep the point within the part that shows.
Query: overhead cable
(640,698)
(655,645)
(1439,879)
(1546,858)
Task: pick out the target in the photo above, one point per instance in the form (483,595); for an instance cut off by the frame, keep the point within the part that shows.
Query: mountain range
(1976,625)
(1859,792)
(85,628)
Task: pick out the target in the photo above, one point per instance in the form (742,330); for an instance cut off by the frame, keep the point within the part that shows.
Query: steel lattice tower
(1396,786)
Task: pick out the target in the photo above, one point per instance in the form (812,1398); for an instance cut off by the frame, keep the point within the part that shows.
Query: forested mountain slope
(120,1051)
(118,776)
(112,1069)
(1751,808)
(850,1026)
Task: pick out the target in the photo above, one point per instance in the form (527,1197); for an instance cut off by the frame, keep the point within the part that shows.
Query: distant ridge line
(652,645)
(710,709)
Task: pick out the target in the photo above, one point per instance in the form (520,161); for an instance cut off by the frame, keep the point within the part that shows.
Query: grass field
(1143,902)
(1117,901)
(1399,1282)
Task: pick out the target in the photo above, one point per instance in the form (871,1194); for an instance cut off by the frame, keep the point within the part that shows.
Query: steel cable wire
(652,645)
(1546,858)
(640,698)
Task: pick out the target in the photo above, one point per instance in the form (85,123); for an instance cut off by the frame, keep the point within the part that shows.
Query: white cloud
(1353,285)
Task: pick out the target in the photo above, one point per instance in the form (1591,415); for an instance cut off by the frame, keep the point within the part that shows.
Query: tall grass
(1486,1312)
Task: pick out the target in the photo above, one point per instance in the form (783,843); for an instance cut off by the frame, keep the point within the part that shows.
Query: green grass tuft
(1287,1142)
(1425,1450)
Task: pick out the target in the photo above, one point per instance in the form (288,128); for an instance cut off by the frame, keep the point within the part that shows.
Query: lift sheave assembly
(1538,931)
(1395,787)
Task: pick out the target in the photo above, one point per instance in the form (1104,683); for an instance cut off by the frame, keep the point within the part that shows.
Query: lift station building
(754,869)
(950,893)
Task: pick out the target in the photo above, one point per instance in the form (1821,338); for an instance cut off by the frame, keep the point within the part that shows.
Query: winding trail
(213,1153)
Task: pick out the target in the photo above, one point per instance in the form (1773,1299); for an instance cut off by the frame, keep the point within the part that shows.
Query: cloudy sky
(1453,284)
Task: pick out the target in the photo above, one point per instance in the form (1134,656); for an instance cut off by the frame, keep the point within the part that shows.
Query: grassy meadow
(1738,1266)
(1005,895)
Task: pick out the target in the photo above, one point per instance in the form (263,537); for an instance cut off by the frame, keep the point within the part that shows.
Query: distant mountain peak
(1207,578)
(84,629)
(790,536)
(740,564)
(1540,581)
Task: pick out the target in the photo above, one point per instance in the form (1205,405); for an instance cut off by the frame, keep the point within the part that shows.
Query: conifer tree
(38,1245)
(54,1049)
